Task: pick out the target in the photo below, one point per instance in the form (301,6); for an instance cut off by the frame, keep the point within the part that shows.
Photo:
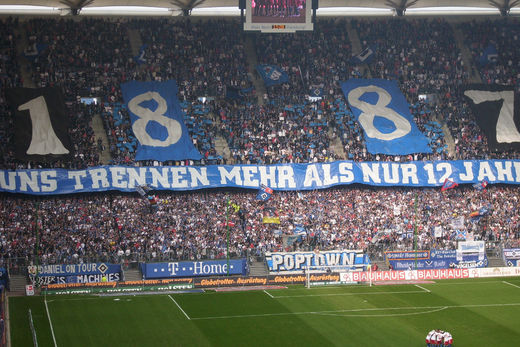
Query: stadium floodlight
(504,8)
(76,6)
(401,7)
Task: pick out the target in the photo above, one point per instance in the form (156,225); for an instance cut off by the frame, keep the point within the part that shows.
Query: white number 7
(506,129)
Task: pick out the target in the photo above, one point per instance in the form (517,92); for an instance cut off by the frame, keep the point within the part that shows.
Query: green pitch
(478,312)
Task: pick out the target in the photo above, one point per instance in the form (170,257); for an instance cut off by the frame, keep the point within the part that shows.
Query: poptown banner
(319,261)
(281,177)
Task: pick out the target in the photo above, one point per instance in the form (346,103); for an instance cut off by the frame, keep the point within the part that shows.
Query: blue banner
(281,177)
(50,279)
(194,268)
(73,269)
(435,259)
(407,255)
(3,276)
(74,273)
(511,256)
(489,56)
(384,114)
(272,75)
(157,121)
(330,260)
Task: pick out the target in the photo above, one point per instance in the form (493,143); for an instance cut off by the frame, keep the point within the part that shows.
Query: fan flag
(480,185)
(264,193)
(448,184)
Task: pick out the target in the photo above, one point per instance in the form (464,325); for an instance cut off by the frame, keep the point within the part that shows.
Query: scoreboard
(280,16)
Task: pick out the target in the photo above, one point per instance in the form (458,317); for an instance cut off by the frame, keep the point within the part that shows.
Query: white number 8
(146,115)
(369,111)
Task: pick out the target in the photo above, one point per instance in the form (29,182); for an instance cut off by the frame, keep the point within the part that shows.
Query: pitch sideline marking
(426,290)
(356,310)
(462,283)
(347,294)
(50,323)
(180,308)
(265,291)
(511,284)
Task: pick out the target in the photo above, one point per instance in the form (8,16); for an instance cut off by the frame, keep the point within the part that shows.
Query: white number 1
(44,140)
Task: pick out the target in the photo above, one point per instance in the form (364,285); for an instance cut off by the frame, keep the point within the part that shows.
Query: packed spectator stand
(92,57)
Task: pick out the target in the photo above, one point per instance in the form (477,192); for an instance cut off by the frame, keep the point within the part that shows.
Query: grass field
(478,312)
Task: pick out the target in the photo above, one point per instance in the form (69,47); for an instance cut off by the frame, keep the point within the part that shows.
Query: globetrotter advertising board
(297,262)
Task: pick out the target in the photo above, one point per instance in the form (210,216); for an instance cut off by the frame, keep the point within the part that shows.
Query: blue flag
(489,56)
(34,50)
(316,92)
(234,93)
(384,114)
(264,193)
(272,75)
(365,57)
(480,186)
(460,234)
(157,121)
(140,59)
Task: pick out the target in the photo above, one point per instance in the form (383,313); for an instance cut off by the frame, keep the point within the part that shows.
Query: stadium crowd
(115,227)
(289,127)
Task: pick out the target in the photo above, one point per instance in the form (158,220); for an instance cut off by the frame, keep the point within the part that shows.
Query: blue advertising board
(194,268)
(511,256)
(74,273)
(3,276)
(434,259)
(281,177)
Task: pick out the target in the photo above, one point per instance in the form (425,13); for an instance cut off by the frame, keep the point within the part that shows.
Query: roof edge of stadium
(234,11)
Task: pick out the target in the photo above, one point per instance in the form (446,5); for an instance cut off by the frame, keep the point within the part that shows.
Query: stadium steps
(336,146)
(135,41)
(381,265)
(495,262)
(133,275)
(357,47)
(473,74)
(222,148)
(448,138)
(99,130)
(25,67)
(252,60)
(258,268)
(17,283)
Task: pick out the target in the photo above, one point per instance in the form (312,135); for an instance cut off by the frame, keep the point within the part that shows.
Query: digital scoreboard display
(278,15)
